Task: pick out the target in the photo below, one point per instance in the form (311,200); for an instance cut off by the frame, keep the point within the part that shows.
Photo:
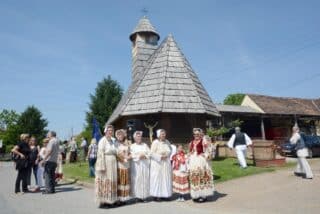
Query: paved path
(276,192)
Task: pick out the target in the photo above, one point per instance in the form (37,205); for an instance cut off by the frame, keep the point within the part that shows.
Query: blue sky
(53,53)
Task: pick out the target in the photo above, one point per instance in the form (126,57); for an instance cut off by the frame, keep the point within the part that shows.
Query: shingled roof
(236,109)
(144,25)
(168,85)
(288,106)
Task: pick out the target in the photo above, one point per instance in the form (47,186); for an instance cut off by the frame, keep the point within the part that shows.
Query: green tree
(102,103)
(9,132)
(32,122)
(234,99)
(8,118)
(219,132)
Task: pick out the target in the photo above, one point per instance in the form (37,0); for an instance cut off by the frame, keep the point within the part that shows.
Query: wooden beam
(263,133)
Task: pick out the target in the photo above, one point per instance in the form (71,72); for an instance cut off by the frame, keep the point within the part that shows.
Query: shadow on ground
(216,196)
(66,183)
(67,189)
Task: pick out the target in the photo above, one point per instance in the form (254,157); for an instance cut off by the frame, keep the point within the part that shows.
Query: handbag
(21,164)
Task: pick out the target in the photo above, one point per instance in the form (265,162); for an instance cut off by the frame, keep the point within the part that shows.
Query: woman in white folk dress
(200,173)
(106,169)
(160,168)
(140,168)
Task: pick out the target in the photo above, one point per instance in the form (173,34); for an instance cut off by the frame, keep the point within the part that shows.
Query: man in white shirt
(240,141)
(303,168)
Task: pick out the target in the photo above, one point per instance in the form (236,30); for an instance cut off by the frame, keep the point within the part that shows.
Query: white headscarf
(159,132)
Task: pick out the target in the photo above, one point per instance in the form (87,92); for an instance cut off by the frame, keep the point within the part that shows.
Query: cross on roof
(144,11)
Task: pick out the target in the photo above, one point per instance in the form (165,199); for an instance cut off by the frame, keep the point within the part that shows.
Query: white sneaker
(178,199)
(182,199)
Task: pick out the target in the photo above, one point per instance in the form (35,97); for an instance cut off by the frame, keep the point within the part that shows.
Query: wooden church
(165,92)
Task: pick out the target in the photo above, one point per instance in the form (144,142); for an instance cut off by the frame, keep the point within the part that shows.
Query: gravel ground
(275,192)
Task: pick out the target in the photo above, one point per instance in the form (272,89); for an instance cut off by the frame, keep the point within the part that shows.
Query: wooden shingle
(167,84)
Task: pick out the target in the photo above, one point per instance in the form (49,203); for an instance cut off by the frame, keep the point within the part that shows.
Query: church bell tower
(144,40)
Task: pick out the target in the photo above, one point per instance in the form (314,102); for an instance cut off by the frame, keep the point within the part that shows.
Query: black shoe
(196,200)
(202,200)
(46,193)
(165,199)
(298,174)
(305,177)
(157,199)
(139,200)
(122,203)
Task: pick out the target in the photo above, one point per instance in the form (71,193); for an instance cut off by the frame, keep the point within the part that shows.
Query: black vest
(240,139)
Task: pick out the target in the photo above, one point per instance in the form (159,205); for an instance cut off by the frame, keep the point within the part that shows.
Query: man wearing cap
(240,141)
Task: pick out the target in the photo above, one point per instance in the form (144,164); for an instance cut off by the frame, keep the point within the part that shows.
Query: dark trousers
(73,157)
(49,173)
(32,169)
(29,169)
(22,176)
(92,162)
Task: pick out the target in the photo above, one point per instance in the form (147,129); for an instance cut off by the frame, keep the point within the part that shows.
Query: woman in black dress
(22,152)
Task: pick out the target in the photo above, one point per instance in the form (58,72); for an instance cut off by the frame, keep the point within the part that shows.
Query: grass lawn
(224,169)
(228,168)
(79,171)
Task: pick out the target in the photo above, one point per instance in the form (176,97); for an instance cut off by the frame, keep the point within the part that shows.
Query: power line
(301,81)
(287,54)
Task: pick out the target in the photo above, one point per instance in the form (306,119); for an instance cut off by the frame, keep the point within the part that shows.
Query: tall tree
(32,122)
(9,132)
(8,118)
(234,99)
(102,103)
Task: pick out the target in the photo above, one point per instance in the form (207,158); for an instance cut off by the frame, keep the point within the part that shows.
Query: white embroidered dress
(140,172)
(200,173)
(106,172)
(160,170)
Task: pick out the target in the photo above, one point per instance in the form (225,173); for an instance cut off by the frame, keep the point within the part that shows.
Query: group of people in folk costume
(134,171)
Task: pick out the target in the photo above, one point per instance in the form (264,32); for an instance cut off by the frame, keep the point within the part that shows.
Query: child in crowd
(180,173)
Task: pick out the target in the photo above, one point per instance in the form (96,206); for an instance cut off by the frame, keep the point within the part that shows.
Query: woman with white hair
(200,172)
(140,173)
(160,168)
(106,169)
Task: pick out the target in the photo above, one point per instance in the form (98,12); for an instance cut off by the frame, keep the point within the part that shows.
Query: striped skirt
(180,182)
(123,184)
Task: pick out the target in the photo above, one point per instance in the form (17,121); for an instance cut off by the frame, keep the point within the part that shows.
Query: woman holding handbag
(22,151)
